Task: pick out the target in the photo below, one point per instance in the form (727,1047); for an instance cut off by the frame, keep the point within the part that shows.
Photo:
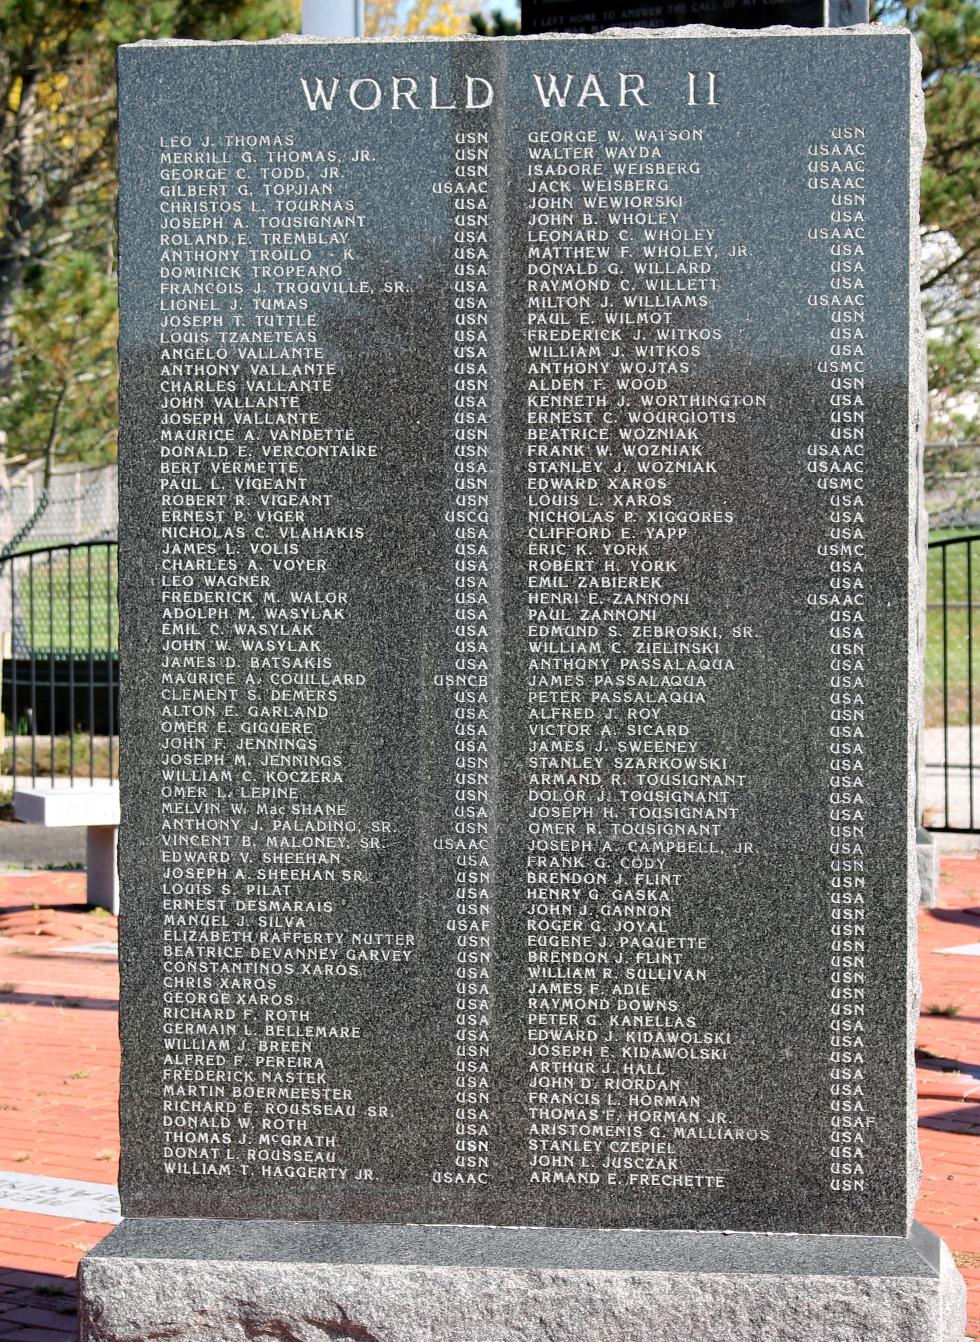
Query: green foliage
(949,39)
(952,469)
(61,398)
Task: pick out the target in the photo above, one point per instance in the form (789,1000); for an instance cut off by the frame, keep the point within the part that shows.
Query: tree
(948,35)
(57,203)
(409,18)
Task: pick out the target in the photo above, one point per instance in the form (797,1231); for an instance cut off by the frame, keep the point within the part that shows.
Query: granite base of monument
(927,862)
(230,1281)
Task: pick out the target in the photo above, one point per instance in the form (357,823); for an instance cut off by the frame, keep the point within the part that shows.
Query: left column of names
(264,506)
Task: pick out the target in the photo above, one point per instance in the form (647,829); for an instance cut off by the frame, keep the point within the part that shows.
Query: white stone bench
(96,807)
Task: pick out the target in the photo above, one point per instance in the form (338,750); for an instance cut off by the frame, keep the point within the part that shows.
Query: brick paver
(59,1075)
(59,1081)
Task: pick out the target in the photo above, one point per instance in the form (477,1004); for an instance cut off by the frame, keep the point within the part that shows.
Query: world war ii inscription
(515,521)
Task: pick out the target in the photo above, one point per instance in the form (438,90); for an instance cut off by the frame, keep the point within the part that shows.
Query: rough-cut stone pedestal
(230,1281)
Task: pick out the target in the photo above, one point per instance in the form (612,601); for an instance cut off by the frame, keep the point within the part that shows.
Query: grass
(950,1010)
(64,746)
(949,658)
(69,605)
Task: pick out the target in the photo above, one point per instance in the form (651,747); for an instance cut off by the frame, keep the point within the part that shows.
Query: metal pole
(13,665)
(71,676)
(969,666)
(946,820)
(30,594)
(52,703)
(108,643)
(91,670)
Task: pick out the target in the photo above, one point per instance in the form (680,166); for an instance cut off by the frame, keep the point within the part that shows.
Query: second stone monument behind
(516,459)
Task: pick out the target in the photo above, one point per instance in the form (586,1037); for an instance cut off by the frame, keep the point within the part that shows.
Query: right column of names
(836,184)
(633,799)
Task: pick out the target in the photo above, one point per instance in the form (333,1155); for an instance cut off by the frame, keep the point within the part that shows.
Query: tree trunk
(15,245)
(11,280)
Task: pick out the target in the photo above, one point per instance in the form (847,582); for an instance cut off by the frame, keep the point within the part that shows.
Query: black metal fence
(951,787)
(60,690)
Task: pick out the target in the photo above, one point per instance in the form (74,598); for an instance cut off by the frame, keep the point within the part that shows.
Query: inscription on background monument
(543,16)
(514,530)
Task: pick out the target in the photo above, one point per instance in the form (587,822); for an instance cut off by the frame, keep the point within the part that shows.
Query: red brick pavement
(59,1081)
(59,1074)
(948,1072)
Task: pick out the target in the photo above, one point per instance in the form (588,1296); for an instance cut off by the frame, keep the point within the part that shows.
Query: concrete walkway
(59,1074)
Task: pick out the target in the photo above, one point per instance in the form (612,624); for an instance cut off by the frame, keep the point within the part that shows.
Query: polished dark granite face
(514,589)
(859,1256)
